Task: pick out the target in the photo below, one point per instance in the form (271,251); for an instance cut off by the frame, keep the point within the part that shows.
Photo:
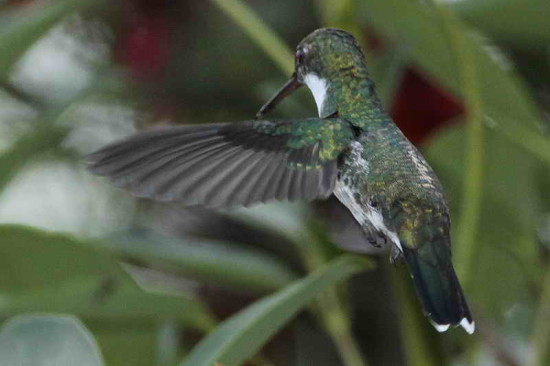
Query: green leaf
(100,299)
(24,25)
(286,219)
(423,29)
(340,14)
(241,336)
(31,258)
(540,354)
(294,222)
(56,273)
(46,136)
(468,77)
(218,262)
(33,145)
(508,23)
(260,33)
(506,249)
(126,344)
(388,71)
(313,347)
(42,340)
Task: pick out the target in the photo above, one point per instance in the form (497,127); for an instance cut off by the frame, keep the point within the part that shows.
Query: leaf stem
(259,32)
(536,144)
(473,178)
(337,324)
(331,311)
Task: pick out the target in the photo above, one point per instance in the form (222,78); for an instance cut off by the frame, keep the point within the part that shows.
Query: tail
(437,286)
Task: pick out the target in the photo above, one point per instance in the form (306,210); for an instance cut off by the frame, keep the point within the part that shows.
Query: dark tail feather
(438,288)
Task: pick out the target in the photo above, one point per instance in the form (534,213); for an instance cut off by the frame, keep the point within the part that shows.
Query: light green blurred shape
(47,340)
(23,26)
(521,23)
(238,338)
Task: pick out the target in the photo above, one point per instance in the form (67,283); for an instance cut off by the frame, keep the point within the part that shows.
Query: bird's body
(353,150)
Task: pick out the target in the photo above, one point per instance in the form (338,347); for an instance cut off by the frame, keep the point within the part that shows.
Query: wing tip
(95,162)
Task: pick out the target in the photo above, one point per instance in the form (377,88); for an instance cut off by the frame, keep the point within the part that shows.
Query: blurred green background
(89,273)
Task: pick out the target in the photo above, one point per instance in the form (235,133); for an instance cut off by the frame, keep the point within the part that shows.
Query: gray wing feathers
(215,165)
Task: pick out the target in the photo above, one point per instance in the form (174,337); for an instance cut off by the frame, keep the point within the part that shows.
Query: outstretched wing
(220,165)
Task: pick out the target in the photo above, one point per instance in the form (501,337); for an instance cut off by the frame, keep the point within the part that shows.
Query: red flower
(420,107)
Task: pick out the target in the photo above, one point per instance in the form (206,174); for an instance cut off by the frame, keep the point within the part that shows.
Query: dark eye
(300,56)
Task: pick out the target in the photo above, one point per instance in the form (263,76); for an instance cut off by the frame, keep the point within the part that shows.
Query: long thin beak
(281,94)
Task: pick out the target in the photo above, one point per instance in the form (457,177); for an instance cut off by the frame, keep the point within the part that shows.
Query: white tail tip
(468,327)
(464,323)
(439,327)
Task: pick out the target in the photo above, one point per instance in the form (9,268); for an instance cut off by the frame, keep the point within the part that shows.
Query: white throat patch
(318,88)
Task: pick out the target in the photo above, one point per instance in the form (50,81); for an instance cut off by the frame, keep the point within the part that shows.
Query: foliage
(156,284)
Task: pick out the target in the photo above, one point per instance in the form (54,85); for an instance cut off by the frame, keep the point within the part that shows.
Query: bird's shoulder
(332,134)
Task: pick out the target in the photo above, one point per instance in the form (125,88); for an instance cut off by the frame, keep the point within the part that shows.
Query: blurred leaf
(535,143)
(286,219)
(294,222)
(218,262)
(33,145)
(509,206)
(24,25)
(313,347)
(47,135)
(336,318)
(506,251)
(388,70)
(107,300)
(32,258)
(340,14)
(50,272)
(472,186)
(169,341)
(129,343)
(291,221)
(241,336)
(540,353)
(421,27)
(259,32)
(510,180)
(43,340)
(524,23)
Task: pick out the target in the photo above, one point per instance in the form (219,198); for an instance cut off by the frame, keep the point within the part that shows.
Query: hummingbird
(353,151)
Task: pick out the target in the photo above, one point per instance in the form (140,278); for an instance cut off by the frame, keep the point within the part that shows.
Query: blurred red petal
(420,107)
(144,47)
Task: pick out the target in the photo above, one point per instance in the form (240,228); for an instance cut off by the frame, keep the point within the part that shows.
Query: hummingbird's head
(325,57)
(328,54)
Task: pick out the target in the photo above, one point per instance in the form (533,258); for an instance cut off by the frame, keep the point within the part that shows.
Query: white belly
(363,213)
